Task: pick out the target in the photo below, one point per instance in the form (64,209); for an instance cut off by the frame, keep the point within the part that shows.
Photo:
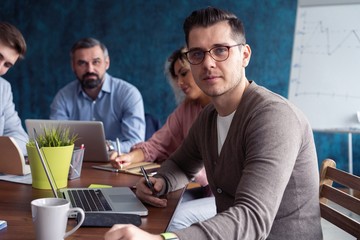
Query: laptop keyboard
(90,200)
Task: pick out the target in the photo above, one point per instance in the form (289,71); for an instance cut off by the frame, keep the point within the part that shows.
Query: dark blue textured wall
(139,36)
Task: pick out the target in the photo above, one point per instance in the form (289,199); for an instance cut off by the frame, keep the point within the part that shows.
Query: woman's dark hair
(176,55)
(170,74)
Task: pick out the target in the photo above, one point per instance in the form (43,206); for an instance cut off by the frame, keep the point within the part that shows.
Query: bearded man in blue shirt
(97,96)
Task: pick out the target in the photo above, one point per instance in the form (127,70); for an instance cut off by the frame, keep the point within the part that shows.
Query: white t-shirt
(223,125)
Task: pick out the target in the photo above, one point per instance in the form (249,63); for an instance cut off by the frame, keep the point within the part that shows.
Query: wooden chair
(329,174)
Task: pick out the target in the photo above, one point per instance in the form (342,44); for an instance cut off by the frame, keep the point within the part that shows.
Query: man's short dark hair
(10,36)
(88,43)
(209,16)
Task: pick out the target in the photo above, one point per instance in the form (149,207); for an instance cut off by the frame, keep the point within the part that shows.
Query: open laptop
(99,200)
(89,133)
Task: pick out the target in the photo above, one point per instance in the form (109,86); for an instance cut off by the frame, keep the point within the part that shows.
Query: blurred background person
(12,48)
(97,96)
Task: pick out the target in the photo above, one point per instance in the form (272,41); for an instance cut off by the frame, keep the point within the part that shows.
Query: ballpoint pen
(148,182)
(110,169)
(119,151)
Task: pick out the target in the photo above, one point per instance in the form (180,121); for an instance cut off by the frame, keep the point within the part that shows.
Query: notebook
(89,133)
(99,200)
(134,168)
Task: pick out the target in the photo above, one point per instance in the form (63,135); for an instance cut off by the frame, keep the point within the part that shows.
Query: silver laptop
(90,133)
(100,200)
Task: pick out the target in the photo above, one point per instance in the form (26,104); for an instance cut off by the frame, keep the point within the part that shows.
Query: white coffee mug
(50,216)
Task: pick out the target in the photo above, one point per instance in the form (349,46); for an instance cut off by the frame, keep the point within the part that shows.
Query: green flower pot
(58,161)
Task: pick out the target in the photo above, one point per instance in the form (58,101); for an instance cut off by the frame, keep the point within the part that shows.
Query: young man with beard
(257,148)
(12,48)
(97,96)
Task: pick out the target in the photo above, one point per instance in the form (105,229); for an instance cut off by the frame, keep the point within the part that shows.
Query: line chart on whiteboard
(325,68)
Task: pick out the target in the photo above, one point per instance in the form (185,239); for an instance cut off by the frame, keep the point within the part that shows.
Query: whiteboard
(325,69)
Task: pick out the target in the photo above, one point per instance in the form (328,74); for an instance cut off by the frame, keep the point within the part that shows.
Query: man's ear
(246,55)
(107,62)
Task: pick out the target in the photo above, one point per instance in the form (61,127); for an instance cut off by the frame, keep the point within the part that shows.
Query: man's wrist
(110,145)
(169,236)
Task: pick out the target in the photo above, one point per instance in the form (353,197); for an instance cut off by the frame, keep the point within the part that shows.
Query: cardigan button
(219,190)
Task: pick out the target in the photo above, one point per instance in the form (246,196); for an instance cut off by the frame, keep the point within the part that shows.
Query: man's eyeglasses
(218,53)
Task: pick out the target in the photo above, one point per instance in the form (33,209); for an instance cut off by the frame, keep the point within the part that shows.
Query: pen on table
(119,151)
(3,224)
(106,169)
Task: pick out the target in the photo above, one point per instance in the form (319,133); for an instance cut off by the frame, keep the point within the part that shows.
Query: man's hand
(129,232)
(145,194)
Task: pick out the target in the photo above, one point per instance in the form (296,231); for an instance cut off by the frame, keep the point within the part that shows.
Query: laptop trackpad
(121,198)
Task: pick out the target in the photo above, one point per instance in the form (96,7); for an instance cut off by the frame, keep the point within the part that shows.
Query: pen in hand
(119,151)
(148,182)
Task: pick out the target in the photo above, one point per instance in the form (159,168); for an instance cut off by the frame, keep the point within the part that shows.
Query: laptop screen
(89,133)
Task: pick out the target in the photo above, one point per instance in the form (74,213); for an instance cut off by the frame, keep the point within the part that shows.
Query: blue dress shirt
(10,123)
(119,106)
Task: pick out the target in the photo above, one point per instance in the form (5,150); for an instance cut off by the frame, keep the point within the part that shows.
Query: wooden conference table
(15,205)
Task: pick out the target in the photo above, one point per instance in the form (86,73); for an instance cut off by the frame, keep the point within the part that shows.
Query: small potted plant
(56,145)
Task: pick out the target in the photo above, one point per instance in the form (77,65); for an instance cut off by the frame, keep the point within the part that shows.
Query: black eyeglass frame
(209,51)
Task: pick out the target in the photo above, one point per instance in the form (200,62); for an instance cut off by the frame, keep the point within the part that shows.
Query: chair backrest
(152,125)
(329,174)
